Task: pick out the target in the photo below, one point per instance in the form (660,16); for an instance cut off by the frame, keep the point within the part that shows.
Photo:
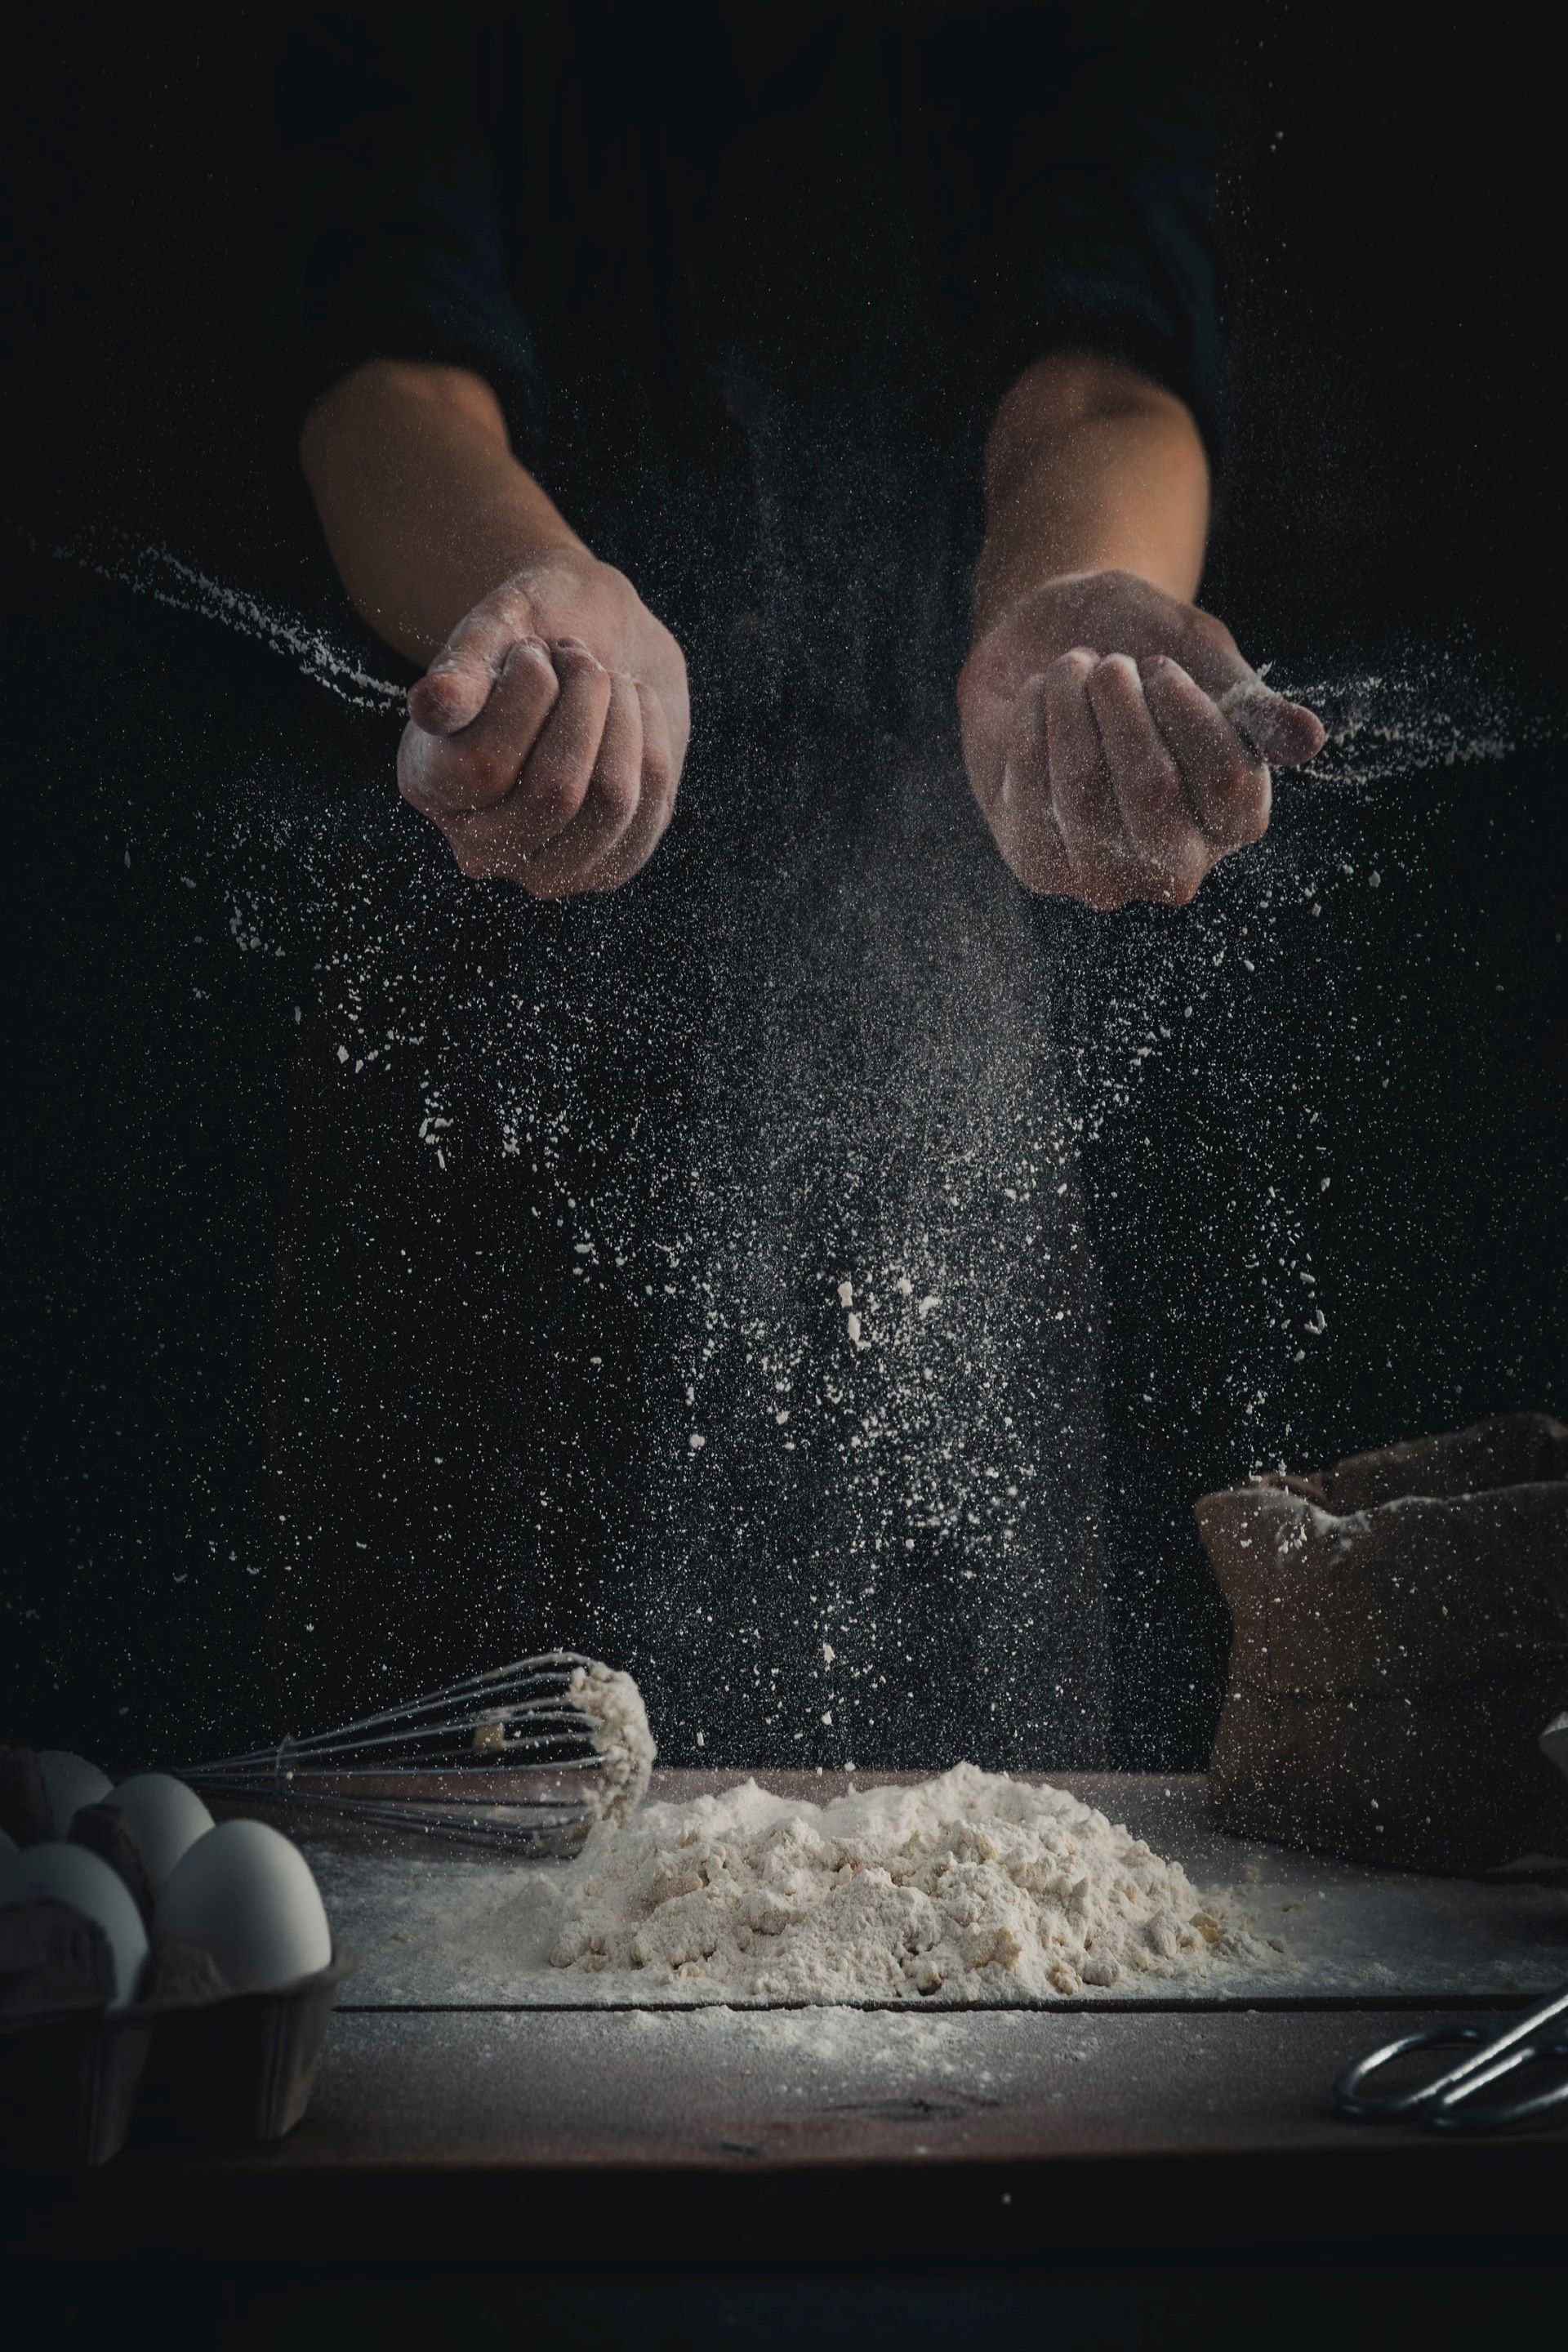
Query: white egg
(68,1874)
(245,1893)
(70,1783)
(167,1817)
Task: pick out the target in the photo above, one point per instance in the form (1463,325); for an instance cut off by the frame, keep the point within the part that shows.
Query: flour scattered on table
(972,1887)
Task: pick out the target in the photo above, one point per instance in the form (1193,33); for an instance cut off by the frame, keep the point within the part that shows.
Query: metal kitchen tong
(1448,2101)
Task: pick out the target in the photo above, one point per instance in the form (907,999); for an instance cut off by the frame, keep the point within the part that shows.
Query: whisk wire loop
(557,1741)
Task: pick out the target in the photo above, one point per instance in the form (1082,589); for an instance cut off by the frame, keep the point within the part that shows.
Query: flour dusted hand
(972,1887)
(1117,741)
(546,738)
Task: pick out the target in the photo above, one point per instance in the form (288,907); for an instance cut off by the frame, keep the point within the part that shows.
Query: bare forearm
(546,736)
(423,506)
(1118,741)
(1091,468)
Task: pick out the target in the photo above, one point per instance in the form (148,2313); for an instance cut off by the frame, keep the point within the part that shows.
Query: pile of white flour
(972,1886)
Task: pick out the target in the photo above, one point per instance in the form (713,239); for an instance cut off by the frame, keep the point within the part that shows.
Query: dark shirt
(646,210)
(748,282)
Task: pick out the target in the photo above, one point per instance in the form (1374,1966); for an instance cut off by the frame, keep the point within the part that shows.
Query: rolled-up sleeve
(1098,232)
(388,243)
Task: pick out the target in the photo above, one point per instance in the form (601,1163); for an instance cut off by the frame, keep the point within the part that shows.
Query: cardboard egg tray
(180,2065)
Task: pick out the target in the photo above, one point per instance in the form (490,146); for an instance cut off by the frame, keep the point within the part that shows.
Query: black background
(1394,476)
(1392,278)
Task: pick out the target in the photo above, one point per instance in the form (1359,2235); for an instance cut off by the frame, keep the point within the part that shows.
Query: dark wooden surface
(435,2134)
(438,2132)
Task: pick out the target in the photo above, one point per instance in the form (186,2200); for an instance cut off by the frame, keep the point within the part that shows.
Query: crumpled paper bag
(1400,1640)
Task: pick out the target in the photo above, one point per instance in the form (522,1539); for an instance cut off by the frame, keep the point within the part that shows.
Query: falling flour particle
(972,1887)
(155,572)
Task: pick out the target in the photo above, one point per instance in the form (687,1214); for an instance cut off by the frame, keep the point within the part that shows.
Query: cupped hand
(546,738)
(1117,743)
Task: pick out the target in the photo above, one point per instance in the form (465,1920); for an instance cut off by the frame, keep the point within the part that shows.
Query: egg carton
(195,2055)
(237,2066)
(69,2062)
(188,2062)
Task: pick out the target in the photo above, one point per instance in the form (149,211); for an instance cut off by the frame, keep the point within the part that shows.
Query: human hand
(546,738)
(1117,743)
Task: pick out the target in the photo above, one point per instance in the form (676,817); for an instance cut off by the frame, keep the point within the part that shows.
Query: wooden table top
(438,2127)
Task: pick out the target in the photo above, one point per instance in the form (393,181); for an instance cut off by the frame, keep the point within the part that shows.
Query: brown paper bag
(1400,1641)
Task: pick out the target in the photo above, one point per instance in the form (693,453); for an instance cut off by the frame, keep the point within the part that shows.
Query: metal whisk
(527,1757)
